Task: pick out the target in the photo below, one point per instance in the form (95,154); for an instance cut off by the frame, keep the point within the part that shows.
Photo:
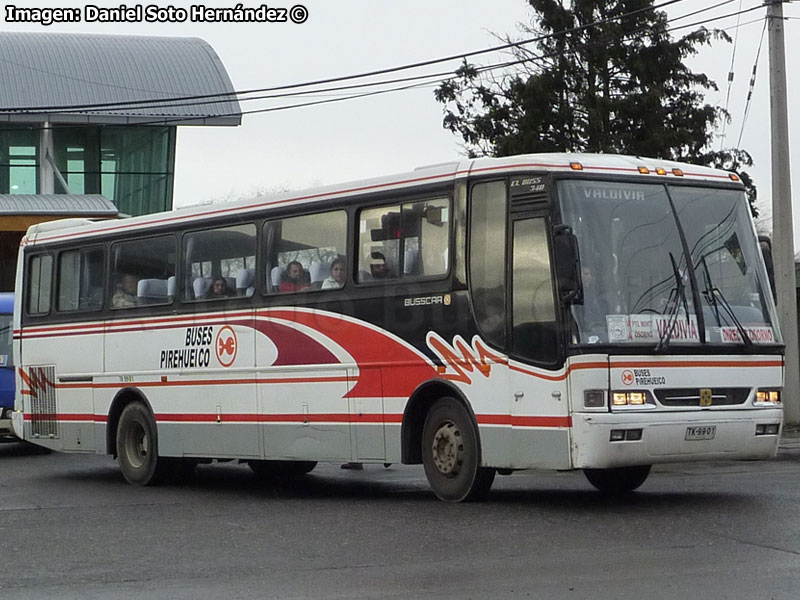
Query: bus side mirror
(568,265)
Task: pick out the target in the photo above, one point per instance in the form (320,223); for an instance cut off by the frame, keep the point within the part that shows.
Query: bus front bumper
(607,440)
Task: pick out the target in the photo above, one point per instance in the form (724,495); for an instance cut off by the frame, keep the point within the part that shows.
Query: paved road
(71,528)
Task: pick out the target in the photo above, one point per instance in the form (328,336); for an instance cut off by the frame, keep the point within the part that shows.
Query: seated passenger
(218,289)
(378,267)
(125,294)
(338,275)
(294,279)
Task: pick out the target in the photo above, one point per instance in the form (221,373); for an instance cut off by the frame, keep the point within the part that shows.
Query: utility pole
(782,229)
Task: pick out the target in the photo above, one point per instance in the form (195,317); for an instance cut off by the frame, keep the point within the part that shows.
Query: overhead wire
(730,78)
(422,81)
(751,86)
(429,62)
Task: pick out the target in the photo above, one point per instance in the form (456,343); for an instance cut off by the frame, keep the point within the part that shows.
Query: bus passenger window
(404,241)
(143,272)
(219,263)
(40,273)
(80,280)
(303,253)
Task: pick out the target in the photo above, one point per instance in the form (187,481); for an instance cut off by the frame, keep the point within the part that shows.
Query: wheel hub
(448,449)
(138,446)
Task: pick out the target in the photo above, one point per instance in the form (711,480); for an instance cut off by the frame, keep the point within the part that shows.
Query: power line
(423,80)
(493,67)
(425,63)
(752,86)
(730,78)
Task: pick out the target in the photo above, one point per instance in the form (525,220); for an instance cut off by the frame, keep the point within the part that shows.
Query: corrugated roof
(87,205)
(39,71)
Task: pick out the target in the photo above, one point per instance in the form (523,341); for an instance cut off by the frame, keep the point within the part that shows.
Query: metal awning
(57,205)
(113,79)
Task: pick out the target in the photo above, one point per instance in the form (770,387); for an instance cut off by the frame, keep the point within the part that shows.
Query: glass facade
(19,159)
(131,166)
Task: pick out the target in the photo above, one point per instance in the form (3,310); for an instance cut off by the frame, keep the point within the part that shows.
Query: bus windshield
(639,285)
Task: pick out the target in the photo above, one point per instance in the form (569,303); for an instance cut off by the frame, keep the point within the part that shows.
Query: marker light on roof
(644,170)
(661,171)
(733,176)
(677,172)
(576,166)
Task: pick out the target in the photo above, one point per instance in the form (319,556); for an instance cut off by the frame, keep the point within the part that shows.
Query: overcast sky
(399,131)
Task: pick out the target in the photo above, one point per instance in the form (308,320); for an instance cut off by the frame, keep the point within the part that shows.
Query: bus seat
(411,262)
(319,271)
(200,286)
(151,291)
(275,276)
(230,282)
(171,286)
(244,282)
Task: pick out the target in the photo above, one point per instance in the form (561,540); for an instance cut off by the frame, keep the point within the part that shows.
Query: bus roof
(607,164)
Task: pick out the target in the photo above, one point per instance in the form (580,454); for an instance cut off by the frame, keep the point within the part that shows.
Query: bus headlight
(594,399)
(768,397)
(632,399)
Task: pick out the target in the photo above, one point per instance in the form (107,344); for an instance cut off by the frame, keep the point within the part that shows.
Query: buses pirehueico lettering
(645,377)
(196,352)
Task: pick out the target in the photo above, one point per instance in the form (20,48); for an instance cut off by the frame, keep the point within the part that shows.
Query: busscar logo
(427,301)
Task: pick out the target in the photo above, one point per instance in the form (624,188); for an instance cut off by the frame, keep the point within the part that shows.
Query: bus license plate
(703,432)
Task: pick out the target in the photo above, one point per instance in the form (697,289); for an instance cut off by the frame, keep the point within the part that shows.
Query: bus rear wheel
(620,480)
(451,454)
(137,446)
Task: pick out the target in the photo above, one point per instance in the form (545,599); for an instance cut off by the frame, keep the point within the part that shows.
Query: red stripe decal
(520,421)
(344,418)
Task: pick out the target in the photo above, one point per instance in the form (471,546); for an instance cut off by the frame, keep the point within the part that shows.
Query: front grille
(43,410)
(691,396)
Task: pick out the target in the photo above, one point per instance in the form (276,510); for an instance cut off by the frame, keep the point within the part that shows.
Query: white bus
(593,312)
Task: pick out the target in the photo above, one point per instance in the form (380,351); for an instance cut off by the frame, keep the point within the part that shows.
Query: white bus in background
(593,312)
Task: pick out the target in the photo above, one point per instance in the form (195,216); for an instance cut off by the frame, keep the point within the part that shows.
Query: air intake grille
(691,396)
(43,410)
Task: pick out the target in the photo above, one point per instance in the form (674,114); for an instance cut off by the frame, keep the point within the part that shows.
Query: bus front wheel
(451,455)
(620,480)
(137,446)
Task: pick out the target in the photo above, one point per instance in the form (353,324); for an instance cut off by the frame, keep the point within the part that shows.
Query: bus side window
(219,263)
(141,271)
(80,279)
(408,240)
(40,274)
(301,252)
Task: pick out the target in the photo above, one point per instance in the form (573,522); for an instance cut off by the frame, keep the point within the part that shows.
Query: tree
(602,76)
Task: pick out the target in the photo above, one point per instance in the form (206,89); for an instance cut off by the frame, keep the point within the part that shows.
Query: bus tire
(620,480)
(451,455)
(137,446)
(281,468)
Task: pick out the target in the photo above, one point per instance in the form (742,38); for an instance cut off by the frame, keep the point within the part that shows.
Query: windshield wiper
(711,293)
(677,298)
